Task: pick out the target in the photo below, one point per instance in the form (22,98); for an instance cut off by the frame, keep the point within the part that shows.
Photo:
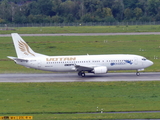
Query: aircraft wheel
(79,73)
(83,74)
(137,73)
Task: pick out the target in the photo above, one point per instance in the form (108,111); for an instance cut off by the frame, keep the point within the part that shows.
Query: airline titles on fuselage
(61,59)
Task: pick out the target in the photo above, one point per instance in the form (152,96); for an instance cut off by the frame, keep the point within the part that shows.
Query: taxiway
(85,34)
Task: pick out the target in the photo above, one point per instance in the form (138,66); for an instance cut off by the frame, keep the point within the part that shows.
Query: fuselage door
(39,63)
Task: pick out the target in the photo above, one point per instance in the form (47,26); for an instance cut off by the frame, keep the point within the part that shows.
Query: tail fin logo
(24,48)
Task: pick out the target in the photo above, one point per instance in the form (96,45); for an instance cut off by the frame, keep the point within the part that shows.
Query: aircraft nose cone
(150,63)
(147,63)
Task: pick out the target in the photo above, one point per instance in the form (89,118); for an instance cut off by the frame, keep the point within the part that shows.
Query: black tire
(137,73)
(83,74)
(79,73)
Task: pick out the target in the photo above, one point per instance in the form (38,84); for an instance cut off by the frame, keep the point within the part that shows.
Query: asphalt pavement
(73,77)
(86,34)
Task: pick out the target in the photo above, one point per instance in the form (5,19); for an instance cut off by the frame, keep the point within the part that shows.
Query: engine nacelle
(100,70)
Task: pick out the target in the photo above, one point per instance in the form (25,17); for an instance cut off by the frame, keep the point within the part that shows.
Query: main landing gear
(137,73)
(81,73)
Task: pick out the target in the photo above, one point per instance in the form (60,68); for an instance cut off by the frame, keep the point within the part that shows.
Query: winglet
(22,48)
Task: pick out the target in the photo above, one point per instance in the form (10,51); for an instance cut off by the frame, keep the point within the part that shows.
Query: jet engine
(100,70)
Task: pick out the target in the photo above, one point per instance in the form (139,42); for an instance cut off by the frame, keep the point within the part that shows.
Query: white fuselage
(67,63)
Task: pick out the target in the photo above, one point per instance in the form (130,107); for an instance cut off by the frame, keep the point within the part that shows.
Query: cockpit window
(144,59)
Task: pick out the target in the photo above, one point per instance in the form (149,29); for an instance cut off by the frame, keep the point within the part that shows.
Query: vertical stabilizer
(22,48)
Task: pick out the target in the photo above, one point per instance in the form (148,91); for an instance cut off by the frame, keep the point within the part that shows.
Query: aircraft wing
(85,67)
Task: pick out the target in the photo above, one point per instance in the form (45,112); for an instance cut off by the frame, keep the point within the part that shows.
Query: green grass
(45,100)
(100,116)
(91,116)
(145,45)
(84,29)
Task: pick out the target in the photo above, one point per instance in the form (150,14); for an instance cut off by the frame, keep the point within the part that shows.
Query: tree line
(68,11)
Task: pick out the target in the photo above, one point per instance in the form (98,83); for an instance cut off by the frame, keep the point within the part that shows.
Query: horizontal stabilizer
(16,59)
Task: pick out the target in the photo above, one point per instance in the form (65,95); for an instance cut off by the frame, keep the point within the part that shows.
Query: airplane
(97,64)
